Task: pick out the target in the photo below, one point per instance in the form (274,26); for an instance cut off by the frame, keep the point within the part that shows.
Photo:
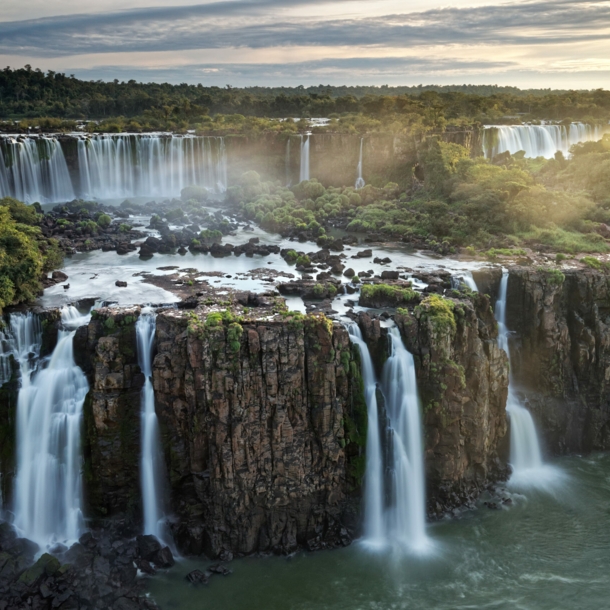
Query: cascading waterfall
(304,173)
(151,463)
(525,455)
(34,169)
(466,279)
(126,165)
(396,515)
(48,486)
(538,140)
(374,528)
(287,164)
(360,180)
(406,515)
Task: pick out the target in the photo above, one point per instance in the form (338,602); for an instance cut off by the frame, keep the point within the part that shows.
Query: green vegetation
(24,253)
(499,206)
(389,295)
(103,220)
(439,311)
(52,101)
(592,262)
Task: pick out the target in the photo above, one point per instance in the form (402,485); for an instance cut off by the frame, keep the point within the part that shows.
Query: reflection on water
(542,552)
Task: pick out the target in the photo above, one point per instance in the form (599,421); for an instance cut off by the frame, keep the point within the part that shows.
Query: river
(544,551)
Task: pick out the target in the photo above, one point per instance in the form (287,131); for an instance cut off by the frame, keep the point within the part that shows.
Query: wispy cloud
(252,24)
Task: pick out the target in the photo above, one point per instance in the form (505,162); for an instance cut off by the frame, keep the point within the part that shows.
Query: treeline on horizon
(53,101)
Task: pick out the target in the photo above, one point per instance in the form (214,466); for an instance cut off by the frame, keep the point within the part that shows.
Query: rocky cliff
(260,427)
(561,353)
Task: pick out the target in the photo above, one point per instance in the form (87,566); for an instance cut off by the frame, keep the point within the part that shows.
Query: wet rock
(66,286)
(368,253)
(221,569)
(389,275)
(197,577)
(148,547)
(121,284)
(349,272)
(59,276)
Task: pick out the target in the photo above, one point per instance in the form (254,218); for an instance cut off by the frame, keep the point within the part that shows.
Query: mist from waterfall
(360,180)
(304,172)
(34,169)
(48,485)
(528,468)
(152,473)
(538,140)
(395,517)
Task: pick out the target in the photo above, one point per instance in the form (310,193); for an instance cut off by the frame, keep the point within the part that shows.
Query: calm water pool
(546,551)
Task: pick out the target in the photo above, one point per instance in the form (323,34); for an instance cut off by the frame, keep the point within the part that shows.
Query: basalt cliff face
(259,424)
(263,419)
(561,354)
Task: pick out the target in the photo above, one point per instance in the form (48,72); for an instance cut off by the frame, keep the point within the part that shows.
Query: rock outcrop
(561,353)
(260,427)
(253,417)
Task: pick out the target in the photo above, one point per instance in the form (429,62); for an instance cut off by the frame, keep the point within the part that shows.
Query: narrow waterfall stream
(528,468)
(401,519)
(360,180)
(151,463)
(48,485)
(374,534)
(287,164)
(304,173)
(406,519)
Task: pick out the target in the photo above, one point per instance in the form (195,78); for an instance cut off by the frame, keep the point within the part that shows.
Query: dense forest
(54,101)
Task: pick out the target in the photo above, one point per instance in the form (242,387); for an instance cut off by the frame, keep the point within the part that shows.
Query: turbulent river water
(544,551)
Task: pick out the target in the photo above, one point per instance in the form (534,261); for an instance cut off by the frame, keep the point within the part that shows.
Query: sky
(563,44)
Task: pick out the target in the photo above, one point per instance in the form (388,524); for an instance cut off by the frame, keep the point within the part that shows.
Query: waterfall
(464,278)
(406,519)
(525,454)
(287,163)
(374,534)
(151,463)
(127,165)
(360,180)
(34,169)
(48,486)
(538,140)
(304,173)
(397,515)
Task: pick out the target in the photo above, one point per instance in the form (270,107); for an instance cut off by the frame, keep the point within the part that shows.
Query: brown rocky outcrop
(261,427)
(560,352)
(254,426)
(463,384)
(106,350)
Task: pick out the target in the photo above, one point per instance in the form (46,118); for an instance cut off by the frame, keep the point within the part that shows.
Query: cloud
(255,24)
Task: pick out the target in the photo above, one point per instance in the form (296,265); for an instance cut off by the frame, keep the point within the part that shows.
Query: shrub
(198,193)
(592,262)
(103,220)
